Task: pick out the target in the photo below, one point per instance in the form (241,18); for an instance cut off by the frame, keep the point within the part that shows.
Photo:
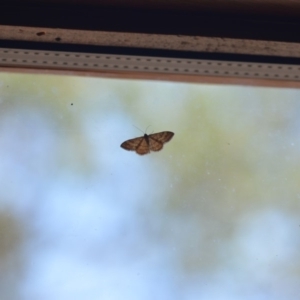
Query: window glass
(214,215)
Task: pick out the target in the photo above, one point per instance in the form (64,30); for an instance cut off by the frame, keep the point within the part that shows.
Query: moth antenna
(139,129)
(147,127)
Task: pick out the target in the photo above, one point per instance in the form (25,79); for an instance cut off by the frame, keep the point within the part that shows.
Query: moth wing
(132,144)
(143,147)
(138,144)
(157,140)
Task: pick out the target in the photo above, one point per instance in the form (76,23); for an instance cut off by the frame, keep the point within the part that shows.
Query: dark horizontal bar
(150,21)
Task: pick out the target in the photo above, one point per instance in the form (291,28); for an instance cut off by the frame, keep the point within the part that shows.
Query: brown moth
(144,144)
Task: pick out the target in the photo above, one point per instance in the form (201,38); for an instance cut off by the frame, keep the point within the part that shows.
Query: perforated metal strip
(108,62)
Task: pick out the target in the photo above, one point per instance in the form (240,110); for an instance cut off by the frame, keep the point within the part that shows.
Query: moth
(144,144)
